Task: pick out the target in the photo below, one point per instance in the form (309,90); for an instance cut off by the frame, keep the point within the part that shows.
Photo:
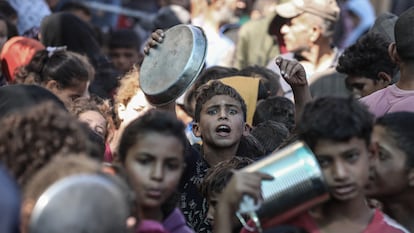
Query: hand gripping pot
(298,185)
(171,67)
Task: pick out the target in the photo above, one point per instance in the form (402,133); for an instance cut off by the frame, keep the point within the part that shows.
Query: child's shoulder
(382,223)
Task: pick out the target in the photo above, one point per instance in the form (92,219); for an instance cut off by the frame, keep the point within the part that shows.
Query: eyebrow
(226,105)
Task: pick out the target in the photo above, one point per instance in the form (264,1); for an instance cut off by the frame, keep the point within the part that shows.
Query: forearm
(223,219)
(302,96)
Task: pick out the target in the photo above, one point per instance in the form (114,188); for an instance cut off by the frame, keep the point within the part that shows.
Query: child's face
(124,58)
(389,173)
(345,166)
(95,121)
(212,202)
(221,122)
(155,164)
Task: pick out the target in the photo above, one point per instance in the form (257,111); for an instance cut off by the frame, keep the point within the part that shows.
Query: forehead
(160,145)
(358,78)
(326,147)
(383,137)
(92,115)
(221,100)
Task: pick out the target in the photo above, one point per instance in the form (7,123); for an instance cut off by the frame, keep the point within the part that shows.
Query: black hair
(152,121)
(75,5)
(250,147)
(214,88)
(124,38)
(19,97)
(65,67)
(275,108)
(211,73)
(7,10)
(11,28)
(335,118)
(218,176)
(214,73)
(271,134)
(404,35)
(400,127)
(367,58)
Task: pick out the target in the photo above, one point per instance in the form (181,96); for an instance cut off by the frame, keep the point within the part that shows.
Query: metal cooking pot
(170,68)
(81,204)
(298,185)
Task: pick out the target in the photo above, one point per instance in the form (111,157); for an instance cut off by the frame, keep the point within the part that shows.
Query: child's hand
(292,71)
(240,184)
(156,37)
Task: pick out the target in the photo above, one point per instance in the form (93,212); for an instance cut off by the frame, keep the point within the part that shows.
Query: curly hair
(367,58)
(275,108)
(96,104)
(335,118)
(28,140)
(129,86)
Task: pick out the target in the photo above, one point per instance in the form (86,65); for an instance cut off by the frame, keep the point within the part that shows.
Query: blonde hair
(128,88)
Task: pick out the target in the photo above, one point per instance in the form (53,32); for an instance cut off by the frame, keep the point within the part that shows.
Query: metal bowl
(170,68)
(81,203)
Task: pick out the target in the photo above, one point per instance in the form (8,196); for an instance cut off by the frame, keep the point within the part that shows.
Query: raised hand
(242,183)
(156,37)
(292,71)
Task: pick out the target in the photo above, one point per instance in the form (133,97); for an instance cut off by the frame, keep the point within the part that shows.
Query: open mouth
(344,189)
(223,129)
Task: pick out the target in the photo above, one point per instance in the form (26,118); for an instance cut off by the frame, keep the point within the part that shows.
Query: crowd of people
(82,149)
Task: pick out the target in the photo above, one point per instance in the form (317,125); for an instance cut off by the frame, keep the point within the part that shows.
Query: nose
(210,215)
(339,171)
(223,113)
(157,172)
(284,29)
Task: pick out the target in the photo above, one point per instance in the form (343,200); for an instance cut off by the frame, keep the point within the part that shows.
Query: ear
(392,52)
(411,177)
(246,129)
(316,33)
(196,130)
(384,78)
(52,85)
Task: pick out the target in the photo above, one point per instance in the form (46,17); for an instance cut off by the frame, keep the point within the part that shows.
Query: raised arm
(294,74)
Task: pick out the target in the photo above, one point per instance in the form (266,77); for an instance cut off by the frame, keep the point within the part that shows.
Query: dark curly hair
(335,118)
(29,140)
(367,58)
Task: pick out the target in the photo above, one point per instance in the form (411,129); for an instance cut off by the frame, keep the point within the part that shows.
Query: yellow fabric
(248,88)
